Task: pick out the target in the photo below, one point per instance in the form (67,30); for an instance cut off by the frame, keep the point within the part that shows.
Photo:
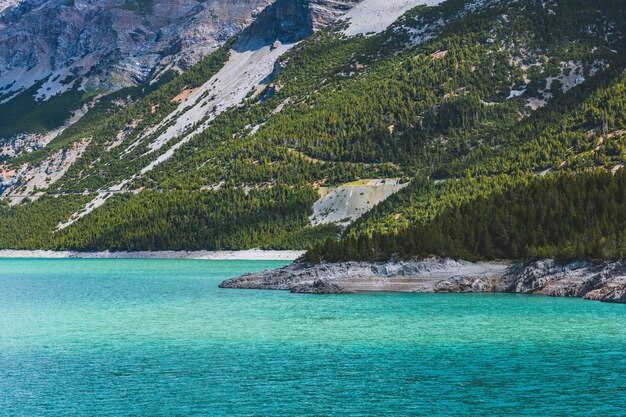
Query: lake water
(158,338)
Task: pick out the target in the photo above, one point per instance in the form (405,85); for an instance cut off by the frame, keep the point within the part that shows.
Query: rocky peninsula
(605,282)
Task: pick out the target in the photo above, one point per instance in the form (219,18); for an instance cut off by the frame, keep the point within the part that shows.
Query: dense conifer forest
(563,216)
(179,220)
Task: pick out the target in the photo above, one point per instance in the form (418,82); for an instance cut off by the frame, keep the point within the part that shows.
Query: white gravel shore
(243,255)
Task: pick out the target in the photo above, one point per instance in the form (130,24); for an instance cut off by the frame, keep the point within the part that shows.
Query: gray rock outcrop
(604,282)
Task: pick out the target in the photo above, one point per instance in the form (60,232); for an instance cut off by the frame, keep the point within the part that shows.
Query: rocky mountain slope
(256,143)
(7,4)
(252,62)
(106,45)
(58,56)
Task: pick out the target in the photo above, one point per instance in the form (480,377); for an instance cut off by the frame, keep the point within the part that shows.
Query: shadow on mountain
(285,21)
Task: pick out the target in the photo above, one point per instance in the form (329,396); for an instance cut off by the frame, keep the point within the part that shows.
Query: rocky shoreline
(605,282)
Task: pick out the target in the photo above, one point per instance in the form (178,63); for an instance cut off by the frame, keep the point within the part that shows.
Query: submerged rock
(604,282)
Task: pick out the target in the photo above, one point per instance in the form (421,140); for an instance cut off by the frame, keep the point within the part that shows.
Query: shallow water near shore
(158,338)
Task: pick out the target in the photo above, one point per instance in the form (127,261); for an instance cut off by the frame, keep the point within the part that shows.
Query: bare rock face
(324,12)
(108,44)
(292,20)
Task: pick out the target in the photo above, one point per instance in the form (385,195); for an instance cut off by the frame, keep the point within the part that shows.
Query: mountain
(106,45)
(57,57)
(109,44)
(297,127)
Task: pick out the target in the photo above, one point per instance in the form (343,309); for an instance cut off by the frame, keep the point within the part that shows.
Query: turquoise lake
(158,338)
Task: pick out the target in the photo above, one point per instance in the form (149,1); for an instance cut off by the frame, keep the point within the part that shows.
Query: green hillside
(466,100)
